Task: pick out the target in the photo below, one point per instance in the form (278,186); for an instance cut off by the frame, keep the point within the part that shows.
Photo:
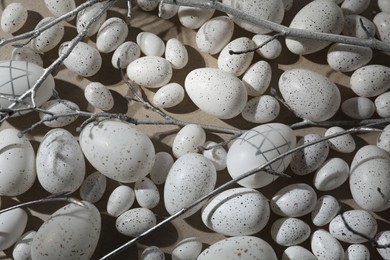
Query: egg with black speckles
(370,80)
(354,6)
(290,231)
(58,8)
(120,200)
(188,248)
(27,54)
(343,143)
(271,50)
(59,108)
(188,140)
(381,21)
(146,193)
(383,238)
(111,34)
(93,187)
(99,96)
(325,246)
(357,252)
(331,175)
(135,221)
(48,39)
(85,16)
(382,105)
(167,11)
(257,78)
(353,26)
(346,57)
(169,95)
(176,53)
(152,253)
(366,153)
(13,18)
(261,109)
(126,53)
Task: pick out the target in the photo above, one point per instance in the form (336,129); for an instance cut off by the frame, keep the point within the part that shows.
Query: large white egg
(118,150)
(12,225)
(256,147)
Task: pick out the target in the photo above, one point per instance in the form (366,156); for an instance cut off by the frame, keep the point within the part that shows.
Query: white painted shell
(381,21)
(237,212)
(325,246)
(383,140)
(271,50)
(382,104)
(384,5)
(357,252)
(255,148)
(167,11)
(354,6)
(169,95)
(261,109)
(358,107)
(325,210)
(299,85)
(216,92)
(48,39)
(161,167)
(17,163)
(353,26)
(27,54)
(370,80)
(99,96)
(12,225)
(152,253)
(22,248)
(188,139)
(194,17)
(85,16)
(257,78)
(188,248)
(72,232)
(190,177)
(383,238)
(343,143)
(297,252)
(93,187)
(120,200)
(148,5)
(58,8)
(59,107)
(126,53)
(217,155)
(290,231)
(146,193)
(135,221)
(118,150)
(345,57)
(13,18)
(150,44)
(368,152)
(60,162)
(331,175)
(176,53)
(111,34)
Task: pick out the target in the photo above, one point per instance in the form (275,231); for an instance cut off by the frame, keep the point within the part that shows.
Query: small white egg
(135,221)
(325,246)
(370,80)
(93,187)
(59,108)
(261,109)
(99,96)
(271,50)
(353,27)
(383,140)
(290,231)
(383,238)
(152,253)
(194,17)
(384,5)
(13,18)
(150,44)
(331,175)
(354,6)
(257,78)
(188,139)
(111,34)
(12,225)
(346,57)
(120,200)
(22,248)
(217,155)
(146,193)
(85,16)
(176,53)
(27,54)
(48,39)
(325,210)
(169,95)
(126,53)
(343,143)
(297,253)
(168,10)
(148,5)
(382,105)
(188,248)
(58,8)
(357,252)
(358,107)
(161,167)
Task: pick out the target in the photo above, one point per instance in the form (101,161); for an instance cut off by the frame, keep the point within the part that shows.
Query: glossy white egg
(93,187)
(176,53)
(297,253)
(256,147)
(216,92)
(381,21)
(12,225)
(13,18)
(194,17)
(120,200)
(58,8)
(49,38)
(294,200)
(271,50)
(299,85)
(146,193)
(383,238)
(290,231)
(150,44)
(357,252)
(99,96)
(325,246)
(17,163)
(60,162)
(152,253)
(370,80)
(382,104)
(343,143)
(216,154)
(325,210)
(188,140)
(383,140)
(118,150)
(257,78)
(358,107)
(331,175)
(188,248)
(167,11)
(84,17)
(169,95)
(27,54)
(72,232)
(59,108)
(161,167)
(135,221)
(244,247)
(191,177)
(148,5)
(353,26)
(261,109)
(237,212)
(126,53)
(345,57)
(111,34)
(22,248)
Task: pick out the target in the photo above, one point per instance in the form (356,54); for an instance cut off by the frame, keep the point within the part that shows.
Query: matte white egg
(146,193)
(353,26)
(290,231)
(299,85)
(237,212)
(370,80)
(188,140)
(148,5)
(150,44)
(84,17)
(152,253)
(135,221)
(244,247)
(381,21)
(60,162)
(93,187)
(27,54)
(161,167)
(331,175)
(271,50)
(72,232)
(297,252)
(169,95)
(325,246)
(59,108)
(358,107)
(325,210)
(188,248)
(118,150)
(120,200)
(126,53)
(194,17)
(176,53)
(22,248)
(111,34)
(382,105)
(384,5)
(167,11)
(58,8)
(343,143)
(357,252)
(346,57)
(13,18)
(383,140)
(216,154)
(216,92)
(99,96)
(257,78)
(12,225)
(191,177)
(261,109)
(256,147)
(383,238)
(49,38)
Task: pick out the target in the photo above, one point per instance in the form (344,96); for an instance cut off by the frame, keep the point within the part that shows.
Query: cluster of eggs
(122,152)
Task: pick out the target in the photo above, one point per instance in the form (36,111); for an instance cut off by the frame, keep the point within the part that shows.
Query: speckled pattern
(58,8)
(383,238)
(111,34)
(126,53)
(93,187)
(12,225)
(13,18)
(27,54)
(271,50)
(59,107)
(290,231)
(331,175)
(99,96)
(135,221)
(325,210)
(371,80)
(153,253)
(120,200)
(325,246)
(261,109)
(159,172)
(169,95)
(346,57)
(358,107)
(382,104)
(366,153)
(176,53)
(357,252)
(146,193)
(353,26)
(84,17)
(343,144)
(257,78)
(188,248)
(148,5)
(194,17)
(188,139)
(381,21)
(48,39)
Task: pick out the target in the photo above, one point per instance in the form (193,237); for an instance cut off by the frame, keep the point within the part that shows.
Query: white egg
(325,210)
(358,107)
(346,57)
(191,177)
(84,17)
(368,152)
(17,77)
(299,85)
(93,187)
(126,53)
(188,248)
(290,231)
(152,253)
(22,248)
(167,11)
(354,6)
(194,17)
(58,8)
(58,108)
(214,34)
(233,63)
(118,150)
(384,5)
(294,200)
(269,51)
(353,26)
(135,221)
(297,253)
(331,175)
(343,143)
(361,221)
(148,5)
(370,80)
(99,96)
(150,71)
(169,95)
(383,140)
(13,18)
(237,212)
(27,54)
(381,21)
(383,238)
(120,200)
(261,109)
(244,247)
(271,10)
(325,246)
(111,34)
(12,225)
(60,162)
(17,163)
(161,167)
(310,158)
(84,59)
(257,78)
(188,140)
(357,252)
(176,53)
(216,92)
(319,16)
(146,193)
(382,105)
(48,39)
(255,148)
(216,154)
(72,232)
(150,44)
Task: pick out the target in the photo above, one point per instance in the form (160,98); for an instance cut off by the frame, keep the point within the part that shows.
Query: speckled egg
(72,232)
(382,105)
(343,143)
(146,193)
(366,153)
(17,163)
(58,8)
(325,246)
(111,34)
(176,53)
(261,109)
(383,238)
(22,248)
(319,16)
(358,107)
(99,96)
(381,21)
(60,162)
(310,158)
(58,108)
(150,71)
(27,54)
(237,212)
(346,57)
(354,6)
(194,17)
(150,44)
(152,253)
(85,16)
(190,177)
(84,59)
(357,252)
(255,148)
(383,140)
(331,175)
(161,167)
(325,210)
(167,11)
(360,221)
(297,253)
(294,200)
(216,154)
(93,187)
(118,150)
(213,35)
(290,231)
(257,78)
(126,53)
(13,18)
(370,80)
(236,63)
(188,248)
(271,50)
(216,92)
(188,139)
(244,247)
(148,5)
(169,95)
(135,221)
(120,200)
(353,26)
(12,225)
(48,39)
(299,85)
